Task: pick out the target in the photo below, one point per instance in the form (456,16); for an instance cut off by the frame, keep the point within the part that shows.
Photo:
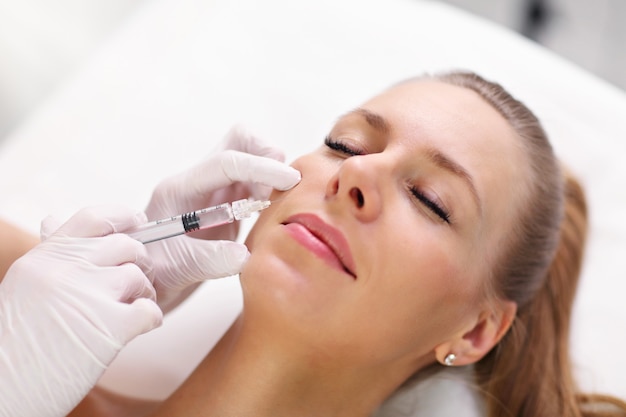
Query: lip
(322,239)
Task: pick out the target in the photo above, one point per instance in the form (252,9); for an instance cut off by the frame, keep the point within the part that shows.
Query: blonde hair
(529,372)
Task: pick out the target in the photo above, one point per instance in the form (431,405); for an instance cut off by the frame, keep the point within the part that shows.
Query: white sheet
(170,83)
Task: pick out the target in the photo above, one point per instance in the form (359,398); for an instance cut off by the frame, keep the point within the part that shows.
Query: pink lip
(322,239)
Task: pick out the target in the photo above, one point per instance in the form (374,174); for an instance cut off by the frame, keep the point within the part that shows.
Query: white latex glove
(67,307)
(242,167)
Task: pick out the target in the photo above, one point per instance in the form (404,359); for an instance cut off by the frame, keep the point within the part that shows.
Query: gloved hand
(67,307)
(242,167)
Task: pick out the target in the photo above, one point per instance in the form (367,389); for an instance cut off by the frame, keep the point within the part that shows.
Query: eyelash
(341,147)
(433,206)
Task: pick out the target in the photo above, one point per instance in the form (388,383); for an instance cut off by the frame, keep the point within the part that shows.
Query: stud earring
(449,360)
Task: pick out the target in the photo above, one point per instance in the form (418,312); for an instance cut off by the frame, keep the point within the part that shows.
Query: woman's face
(383,249)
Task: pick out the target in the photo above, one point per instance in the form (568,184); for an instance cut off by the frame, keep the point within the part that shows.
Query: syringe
(196,220)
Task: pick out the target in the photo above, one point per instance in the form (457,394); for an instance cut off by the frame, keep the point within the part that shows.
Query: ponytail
(529,374)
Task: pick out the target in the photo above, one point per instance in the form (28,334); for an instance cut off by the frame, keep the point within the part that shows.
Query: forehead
(436,109)
(453,119)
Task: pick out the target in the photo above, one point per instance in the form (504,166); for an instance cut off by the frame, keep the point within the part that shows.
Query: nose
(356,185)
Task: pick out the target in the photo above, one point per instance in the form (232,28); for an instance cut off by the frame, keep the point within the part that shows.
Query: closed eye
(341,147)
(431,205)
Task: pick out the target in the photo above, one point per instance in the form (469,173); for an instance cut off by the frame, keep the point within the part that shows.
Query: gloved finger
(241,139)
(208,259)
(48,226)
(101,221)
(117,249)
(260,192)
(229,167)
(243,167)
(138,317)
(129,283)
(220,258)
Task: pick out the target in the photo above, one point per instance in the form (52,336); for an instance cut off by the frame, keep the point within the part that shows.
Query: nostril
(357,196)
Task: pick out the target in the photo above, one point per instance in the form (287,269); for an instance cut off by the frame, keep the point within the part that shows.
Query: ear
(474,343)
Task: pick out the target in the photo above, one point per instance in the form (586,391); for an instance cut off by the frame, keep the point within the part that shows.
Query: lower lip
(307,239)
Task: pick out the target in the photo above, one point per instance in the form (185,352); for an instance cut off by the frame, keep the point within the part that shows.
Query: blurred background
(43,43)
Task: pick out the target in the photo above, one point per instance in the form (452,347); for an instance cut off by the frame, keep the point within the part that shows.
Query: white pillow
(449,392)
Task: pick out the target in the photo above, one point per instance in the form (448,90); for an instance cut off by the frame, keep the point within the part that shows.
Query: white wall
(43,42)
(590,33)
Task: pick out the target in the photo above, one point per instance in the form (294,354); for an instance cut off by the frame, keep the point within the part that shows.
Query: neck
(247,374)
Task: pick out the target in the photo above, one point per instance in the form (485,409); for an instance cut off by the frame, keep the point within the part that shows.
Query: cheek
(425,276)
(423,285)
(441,277)
(316,170)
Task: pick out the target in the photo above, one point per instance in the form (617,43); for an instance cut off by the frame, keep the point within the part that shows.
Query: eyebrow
(373,119)
(437,157)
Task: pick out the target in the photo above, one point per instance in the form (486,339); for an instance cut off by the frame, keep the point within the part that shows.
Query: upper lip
(331,236)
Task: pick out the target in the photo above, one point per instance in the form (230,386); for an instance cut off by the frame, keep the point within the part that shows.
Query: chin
(267,274)
(279,288)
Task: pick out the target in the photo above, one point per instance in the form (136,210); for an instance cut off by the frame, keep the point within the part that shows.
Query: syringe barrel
(214,216)
(157,230)
(185,223)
